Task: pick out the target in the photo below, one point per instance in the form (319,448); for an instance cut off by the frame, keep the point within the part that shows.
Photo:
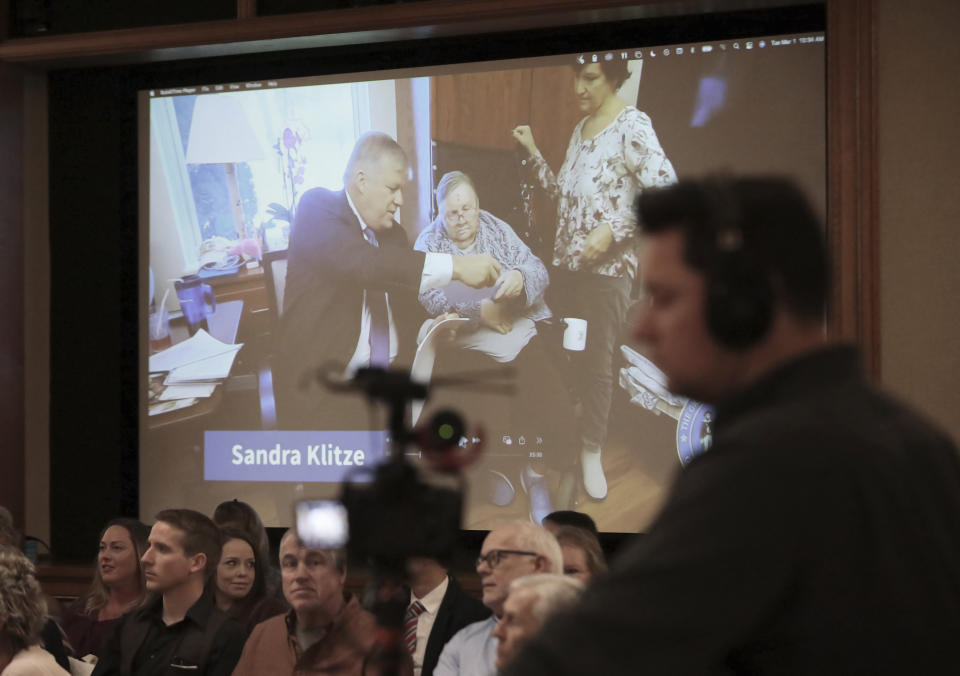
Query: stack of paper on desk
(187,391)
(195,365)
(212,368)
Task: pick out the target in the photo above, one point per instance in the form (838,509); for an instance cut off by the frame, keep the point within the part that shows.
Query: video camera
(402,510)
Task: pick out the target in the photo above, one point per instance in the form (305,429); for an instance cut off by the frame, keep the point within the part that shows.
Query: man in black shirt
(821,532)
(181,630)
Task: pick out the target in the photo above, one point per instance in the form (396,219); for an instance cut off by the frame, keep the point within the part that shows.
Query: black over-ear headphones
(739,293)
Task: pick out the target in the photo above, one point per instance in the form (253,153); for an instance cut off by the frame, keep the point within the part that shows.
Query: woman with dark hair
(117,587)
(238,514)
(240,582)
(612,156)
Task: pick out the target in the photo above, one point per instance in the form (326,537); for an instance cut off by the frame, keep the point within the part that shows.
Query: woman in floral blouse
(613,154)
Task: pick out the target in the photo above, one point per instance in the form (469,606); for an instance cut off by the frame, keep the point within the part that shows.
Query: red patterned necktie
(410,625)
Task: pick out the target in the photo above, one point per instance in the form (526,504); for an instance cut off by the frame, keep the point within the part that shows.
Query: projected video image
(454,222)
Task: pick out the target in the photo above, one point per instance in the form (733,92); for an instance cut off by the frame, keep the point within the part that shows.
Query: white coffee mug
(575,335)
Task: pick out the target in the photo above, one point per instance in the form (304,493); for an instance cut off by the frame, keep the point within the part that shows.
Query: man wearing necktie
(352,285)
(438,608)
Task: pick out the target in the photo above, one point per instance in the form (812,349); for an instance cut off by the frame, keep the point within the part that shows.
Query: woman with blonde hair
(117,587)
(23,614)
(582,555)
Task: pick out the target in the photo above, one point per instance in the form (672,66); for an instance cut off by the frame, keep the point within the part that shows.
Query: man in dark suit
(352,285)
(438,609)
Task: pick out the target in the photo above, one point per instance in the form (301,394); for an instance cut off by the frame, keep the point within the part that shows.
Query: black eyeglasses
(494,556)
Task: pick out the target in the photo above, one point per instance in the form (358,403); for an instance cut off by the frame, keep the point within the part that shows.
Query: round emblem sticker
(694,430)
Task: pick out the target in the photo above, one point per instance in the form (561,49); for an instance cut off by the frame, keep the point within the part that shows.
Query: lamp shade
(221,133)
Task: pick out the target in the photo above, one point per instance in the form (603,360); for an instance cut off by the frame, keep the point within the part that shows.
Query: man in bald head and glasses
(509,552)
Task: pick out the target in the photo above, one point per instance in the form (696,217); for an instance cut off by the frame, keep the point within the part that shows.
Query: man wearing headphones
(821,532)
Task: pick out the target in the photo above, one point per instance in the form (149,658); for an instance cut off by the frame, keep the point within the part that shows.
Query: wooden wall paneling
(479,109)
(12,461)
(36,320)
(553,112)
(246,9)
(6,19)
(371,24)
(553,115)
(852,177)
(96,313)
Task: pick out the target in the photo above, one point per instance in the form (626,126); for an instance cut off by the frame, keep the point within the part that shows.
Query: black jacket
(819,535)
(205,643)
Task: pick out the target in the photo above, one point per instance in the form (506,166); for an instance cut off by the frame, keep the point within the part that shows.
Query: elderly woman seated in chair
(505,316)
(503,326)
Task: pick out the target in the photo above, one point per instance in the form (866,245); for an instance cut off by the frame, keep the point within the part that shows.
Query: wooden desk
(224,325)
(250,287)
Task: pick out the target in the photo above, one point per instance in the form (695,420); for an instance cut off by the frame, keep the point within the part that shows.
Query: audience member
(532,599)
(437,610)
(238,514)
(567,517)
(117,587)
(504,316)
(22,617)
(326,630)
(582,555)
(240,585)
(508,552)
(820,534)
(51,635)
(181,630)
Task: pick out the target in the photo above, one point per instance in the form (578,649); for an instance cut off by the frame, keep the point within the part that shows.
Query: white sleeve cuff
(437,271)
